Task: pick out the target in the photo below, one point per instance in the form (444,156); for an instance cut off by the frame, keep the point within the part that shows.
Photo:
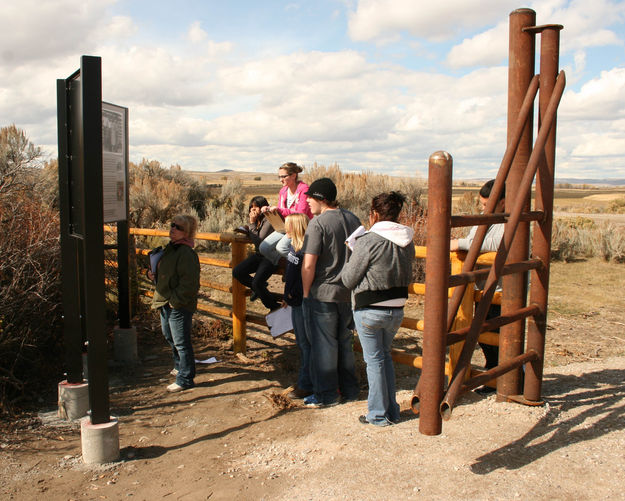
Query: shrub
(617,206)
(30,344)
(580,238)
(157,194)
(355,190)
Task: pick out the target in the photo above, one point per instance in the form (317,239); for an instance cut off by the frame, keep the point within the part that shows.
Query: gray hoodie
(380,267)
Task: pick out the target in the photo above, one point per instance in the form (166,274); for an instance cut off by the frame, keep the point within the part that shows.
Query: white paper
(351,240)
(210,360)
(280,321)
(155,257)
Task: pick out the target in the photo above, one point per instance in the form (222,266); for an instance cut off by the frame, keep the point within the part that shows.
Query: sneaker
(175,388)
(344,400)
(298,393)
(312,402)
(173,372)
(363,419)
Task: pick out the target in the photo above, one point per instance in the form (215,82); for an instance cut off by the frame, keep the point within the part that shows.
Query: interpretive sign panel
(114,162)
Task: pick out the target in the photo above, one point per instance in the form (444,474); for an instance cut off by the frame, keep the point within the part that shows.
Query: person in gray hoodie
(379,272)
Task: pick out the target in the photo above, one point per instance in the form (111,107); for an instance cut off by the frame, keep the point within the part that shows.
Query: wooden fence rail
(240,316)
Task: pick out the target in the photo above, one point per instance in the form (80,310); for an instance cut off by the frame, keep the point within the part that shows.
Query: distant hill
(601,182)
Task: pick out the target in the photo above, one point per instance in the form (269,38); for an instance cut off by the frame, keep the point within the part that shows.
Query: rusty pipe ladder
(517,171)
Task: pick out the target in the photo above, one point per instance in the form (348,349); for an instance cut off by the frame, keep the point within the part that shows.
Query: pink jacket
(299,205)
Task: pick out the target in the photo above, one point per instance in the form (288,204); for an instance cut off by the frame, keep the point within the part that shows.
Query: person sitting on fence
(491,243)
(175,296)
(257,231)
(378,273)
(291,200)
(296,225)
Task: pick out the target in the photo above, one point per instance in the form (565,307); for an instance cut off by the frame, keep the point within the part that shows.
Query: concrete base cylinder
(100,442)
(125,345)
(73,399)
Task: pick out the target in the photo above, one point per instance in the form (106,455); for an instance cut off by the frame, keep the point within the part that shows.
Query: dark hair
(258,201)
(488,186)
(291,168)
(388,205)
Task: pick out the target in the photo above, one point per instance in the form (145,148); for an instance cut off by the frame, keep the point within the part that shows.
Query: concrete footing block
(125,345)
(100,442)
(73,400)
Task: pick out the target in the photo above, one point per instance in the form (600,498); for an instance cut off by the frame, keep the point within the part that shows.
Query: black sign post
(79,99)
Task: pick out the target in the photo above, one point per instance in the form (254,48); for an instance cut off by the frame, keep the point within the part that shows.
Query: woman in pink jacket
(291,200)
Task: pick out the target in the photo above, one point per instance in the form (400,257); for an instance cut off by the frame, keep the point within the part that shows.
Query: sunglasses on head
(177,226)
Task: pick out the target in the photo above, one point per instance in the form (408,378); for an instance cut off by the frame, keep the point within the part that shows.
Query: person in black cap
(326,305)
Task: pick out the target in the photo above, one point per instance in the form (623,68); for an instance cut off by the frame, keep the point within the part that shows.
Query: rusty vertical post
(436,292)
(238,301)
(520,73)
(541,242)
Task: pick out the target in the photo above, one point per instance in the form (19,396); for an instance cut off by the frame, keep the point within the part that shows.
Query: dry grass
(584,286)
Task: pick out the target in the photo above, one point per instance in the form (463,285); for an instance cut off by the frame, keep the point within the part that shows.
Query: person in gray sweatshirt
(378,273)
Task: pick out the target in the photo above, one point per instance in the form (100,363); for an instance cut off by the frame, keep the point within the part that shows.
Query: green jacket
(178,278)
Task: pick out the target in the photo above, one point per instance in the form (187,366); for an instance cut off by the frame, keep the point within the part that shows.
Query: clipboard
(276,221)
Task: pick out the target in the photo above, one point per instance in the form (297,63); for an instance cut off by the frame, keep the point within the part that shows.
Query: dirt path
(231,437)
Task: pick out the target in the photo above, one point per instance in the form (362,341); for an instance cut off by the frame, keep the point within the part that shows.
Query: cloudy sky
(370,84)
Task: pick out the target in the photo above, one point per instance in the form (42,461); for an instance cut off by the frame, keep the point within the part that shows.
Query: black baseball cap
(322,189)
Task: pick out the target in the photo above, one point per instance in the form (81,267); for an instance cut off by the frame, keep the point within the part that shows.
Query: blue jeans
(275,246)
(376,330)
(333,366)
(304,380)
(176,327)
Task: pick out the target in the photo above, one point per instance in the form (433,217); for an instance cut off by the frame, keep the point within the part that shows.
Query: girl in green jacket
(177,285)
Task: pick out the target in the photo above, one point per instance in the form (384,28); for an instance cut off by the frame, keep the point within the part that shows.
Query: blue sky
(373,85)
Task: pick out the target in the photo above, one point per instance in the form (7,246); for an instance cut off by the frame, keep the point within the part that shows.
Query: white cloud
(32,30)
(209,105)
(380,19)
(485,49)
(601,98)
(196,33)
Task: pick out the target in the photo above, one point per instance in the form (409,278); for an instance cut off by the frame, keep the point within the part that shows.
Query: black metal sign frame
(79,100)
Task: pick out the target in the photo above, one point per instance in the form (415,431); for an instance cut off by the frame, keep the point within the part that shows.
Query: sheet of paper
(210,360)
(280,321)
(276,221)
(351,240)
(154,259)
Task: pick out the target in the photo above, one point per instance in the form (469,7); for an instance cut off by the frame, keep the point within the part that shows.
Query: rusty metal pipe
(522,55)
(506,162)
(493,323)
(509,269)
(475,219)
(541,244)
(486,376)
(502,253)
(430,388)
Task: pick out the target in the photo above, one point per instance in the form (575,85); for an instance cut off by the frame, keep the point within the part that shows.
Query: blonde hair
(188,222)
(296,225)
